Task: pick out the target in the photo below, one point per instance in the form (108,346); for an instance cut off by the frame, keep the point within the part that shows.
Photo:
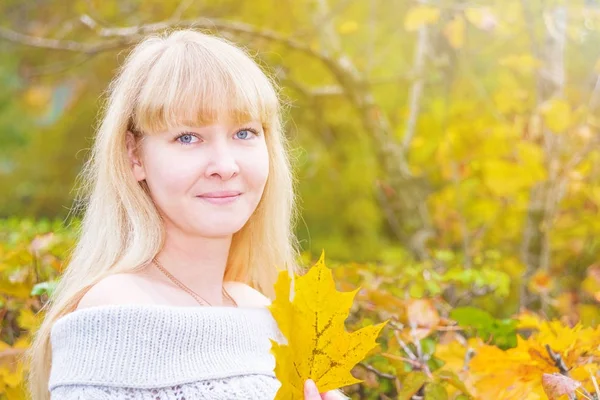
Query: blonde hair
(179,78)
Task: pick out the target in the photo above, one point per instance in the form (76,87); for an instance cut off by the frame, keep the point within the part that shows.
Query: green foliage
(500,332)
(41,288)
(13,117)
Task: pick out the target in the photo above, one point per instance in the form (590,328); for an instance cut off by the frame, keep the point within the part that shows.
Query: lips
(221,197)
(220,194)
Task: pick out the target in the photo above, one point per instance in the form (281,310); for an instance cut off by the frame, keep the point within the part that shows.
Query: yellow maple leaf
(453,355)
(519,374)
(574,344)
(318,345)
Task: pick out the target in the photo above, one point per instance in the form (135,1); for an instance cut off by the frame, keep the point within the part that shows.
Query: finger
(310,390)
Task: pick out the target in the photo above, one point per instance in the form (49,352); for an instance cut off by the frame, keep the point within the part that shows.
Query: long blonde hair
(177,78)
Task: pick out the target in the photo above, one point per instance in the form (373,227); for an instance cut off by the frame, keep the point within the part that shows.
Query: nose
(222,162)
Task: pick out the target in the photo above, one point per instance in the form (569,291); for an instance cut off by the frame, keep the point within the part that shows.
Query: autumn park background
(447,155)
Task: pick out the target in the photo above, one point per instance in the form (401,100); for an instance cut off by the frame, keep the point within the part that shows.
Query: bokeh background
(447,155)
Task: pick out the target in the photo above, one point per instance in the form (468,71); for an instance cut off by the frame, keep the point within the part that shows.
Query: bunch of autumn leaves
(319,348)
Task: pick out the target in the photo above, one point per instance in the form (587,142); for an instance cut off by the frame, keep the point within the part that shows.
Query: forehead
(199,88)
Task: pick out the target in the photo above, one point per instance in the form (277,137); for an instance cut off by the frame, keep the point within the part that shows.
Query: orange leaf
(422,317)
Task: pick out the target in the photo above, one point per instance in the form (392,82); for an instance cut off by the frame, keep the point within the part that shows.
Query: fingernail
(310,389)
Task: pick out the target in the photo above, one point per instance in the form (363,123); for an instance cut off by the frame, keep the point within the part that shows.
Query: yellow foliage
(12,376)
(453,354)
(529,320)
(12,371)
(591,284)
(318,346)
(511,100)
(481,17)
(520,369)
(348,27)
(597,66)
(37,96)
(504,178)
(541,282)
(523,63)
(419,16)
(28,320)
(455,32)
(19,290)
(557,115)
(519,372)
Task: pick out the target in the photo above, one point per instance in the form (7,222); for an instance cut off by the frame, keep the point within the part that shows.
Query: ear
(132,152)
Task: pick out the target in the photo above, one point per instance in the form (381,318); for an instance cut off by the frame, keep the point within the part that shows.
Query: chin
(222,229)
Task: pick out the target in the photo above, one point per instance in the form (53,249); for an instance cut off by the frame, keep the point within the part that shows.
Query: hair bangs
(193,84)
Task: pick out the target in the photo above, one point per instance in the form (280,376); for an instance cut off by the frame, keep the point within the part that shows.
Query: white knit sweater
(160,352)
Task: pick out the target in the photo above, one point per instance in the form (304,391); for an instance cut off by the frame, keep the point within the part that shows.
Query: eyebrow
(241,125)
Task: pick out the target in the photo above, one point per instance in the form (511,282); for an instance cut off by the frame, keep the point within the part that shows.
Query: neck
(198,262)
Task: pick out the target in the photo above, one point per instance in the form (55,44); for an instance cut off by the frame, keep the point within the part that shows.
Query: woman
(188,210)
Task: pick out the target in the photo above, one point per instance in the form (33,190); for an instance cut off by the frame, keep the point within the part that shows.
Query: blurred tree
(426,126)
(14,119)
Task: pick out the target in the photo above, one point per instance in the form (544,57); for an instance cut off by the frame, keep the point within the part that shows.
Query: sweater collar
(149,346)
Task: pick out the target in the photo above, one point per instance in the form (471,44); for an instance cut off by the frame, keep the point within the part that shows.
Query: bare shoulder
(114,289)
(132,288)
(247,296)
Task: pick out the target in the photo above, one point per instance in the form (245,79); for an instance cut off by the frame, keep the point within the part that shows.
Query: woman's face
(205,180)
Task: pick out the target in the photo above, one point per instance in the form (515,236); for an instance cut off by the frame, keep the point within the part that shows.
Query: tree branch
(376,371)
(558,361)
(127,35)
(183,5)
(57,44)
(416,91)
(462,221)
(324,18)
(59,67)
(406,349)
(535,249)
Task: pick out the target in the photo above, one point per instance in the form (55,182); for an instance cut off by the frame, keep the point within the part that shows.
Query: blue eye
(242,134)
(246,134)
(185,138)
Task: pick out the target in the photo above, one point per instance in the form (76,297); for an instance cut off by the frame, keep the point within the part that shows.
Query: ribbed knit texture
(163,352)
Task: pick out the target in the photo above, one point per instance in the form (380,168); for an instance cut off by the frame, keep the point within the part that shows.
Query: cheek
(167,174)
(258,168)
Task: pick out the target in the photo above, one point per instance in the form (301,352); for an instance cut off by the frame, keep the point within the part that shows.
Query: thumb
(311,392)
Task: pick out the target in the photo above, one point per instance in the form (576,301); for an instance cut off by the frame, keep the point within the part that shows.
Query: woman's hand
(312,393)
